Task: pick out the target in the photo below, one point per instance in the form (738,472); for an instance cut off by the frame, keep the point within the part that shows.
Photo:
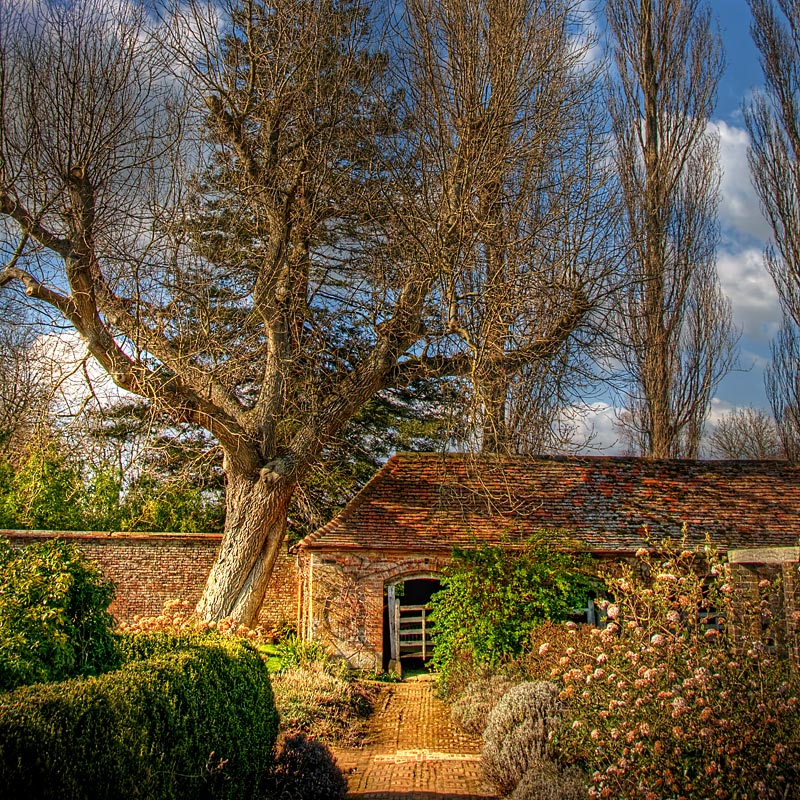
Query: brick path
(413,752)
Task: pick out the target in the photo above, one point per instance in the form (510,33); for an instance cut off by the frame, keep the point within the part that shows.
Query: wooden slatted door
(414,632)
(409,627)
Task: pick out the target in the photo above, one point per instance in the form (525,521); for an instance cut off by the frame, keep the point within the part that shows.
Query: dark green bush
(196,720)
(54,620)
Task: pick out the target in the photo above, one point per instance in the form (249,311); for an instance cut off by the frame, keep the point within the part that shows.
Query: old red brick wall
(150,569)
(767,608)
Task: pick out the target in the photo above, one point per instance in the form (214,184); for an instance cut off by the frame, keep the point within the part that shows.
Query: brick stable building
(361,582)
(366,576)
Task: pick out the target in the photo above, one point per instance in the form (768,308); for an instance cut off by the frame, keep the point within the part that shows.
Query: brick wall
(767,587)
(149,569)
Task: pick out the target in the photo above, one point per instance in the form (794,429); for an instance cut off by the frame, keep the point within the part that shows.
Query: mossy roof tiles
(433,501)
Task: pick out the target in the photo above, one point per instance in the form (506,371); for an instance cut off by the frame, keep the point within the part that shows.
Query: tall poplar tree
(773,121)
(677,335)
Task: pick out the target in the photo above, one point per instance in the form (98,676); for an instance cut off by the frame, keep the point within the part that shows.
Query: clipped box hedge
(187,717)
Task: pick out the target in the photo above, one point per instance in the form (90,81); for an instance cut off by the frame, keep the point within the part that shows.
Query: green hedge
(195,720)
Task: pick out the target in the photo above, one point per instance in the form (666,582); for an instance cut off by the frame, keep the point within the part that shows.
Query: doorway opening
(407,634)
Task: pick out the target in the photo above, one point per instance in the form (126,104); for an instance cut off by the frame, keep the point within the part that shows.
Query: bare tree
(506,103)
(782,380)
(773,121)
(23,393)
(235,212)
(677,333)
(748,433)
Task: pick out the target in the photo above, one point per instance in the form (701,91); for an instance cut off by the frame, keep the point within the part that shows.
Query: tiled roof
(433,501)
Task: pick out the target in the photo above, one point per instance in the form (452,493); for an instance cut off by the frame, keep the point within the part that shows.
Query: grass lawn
(270,653)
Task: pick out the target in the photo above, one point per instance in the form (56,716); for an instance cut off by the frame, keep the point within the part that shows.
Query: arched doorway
(406,629)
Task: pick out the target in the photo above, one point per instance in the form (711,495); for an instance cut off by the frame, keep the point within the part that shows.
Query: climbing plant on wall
(493,596)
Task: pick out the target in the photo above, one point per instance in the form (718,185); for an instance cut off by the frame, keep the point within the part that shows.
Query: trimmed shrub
(194,722)
(517,733)
(54,620)
(306,770)
(472,707)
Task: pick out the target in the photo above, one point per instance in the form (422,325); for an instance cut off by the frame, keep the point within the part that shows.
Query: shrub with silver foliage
(516,735)
(471,710)
(545,780)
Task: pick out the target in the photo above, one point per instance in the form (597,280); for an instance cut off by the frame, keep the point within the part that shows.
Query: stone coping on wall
(138,536)
(764,555)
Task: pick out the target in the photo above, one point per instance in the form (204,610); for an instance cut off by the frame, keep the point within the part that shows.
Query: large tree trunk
(255,529)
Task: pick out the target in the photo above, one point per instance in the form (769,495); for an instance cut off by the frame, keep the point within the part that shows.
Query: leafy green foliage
(493,596)
(196,719)
(54,620)
(52,490)
(46,490)
(172,506)
(297,653)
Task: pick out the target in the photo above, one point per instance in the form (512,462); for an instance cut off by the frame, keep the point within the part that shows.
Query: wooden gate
(409,629)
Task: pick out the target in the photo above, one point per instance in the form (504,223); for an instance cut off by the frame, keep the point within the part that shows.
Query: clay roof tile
(430,501)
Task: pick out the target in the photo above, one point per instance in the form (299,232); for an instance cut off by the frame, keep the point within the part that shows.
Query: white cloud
(752,293)
(739,209)
(76,377)
(595,428)
(717,409)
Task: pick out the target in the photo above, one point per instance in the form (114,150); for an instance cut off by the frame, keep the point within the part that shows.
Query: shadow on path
(413,752)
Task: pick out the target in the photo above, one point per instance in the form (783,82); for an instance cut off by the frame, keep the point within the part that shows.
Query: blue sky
(744,232)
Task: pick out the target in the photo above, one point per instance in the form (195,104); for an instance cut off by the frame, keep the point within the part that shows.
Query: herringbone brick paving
(413,752)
